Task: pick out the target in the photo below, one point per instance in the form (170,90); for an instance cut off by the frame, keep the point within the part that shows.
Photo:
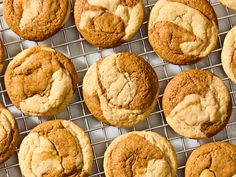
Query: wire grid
(71,43)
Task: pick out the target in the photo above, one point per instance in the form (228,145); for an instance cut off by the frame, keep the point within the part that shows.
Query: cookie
(2,55)
(56,148)
(121,89)
(40,81)
(36,20)
(9,134)
(140,154)
(229,3)
(196,104)
(108,23)
(217,159)
(183,31)
(228,55)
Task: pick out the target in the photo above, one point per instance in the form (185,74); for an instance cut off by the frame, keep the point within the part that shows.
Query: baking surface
(83,55)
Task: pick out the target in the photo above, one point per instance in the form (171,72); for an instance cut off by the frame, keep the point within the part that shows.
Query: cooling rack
(83,55)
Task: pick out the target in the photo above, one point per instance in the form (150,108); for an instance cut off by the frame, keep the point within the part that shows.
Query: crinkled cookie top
(40,81)
(36,19)
(212,160)
(140,154)
(108,23)
(9,133)
(170,19)
(55,149)
(121,89)
(196,104)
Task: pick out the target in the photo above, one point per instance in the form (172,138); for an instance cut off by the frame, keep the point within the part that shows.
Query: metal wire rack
(71,43)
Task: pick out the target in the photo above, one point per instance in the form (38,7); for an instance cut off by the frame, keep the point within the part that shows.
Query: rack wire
(72,44)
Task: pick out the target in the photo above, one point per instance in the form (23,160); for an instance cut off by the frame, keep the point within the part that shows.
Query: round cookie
(217,159)
(40,81)
(140,154)
(36,20)
(228,55)
(196,104)
(121,89)
(108,23)
(56,148)
(9,134)
(183,31)
(229,3)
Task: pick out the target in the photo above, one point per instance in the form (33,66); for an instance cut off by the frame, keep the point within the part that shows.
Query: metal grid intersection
(71,43)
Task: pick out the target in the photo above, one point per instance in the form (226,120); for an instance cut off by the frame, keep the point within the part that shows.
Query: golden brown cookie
(217,159)
(9,134)
(228,55)
(183,31)
(108,23)
(121,89)
(2,56)
(36,20)
(196,104)
(54,149)
(140,154)
(40,81)
(229,3)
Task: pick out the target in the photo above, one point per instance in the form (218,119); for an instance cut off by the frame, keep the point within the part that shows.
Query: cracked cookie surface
(196,104)
(152,156)
(9,134)
(228,55)
(217,159)
(182,31)
(108,23)
(121,89)
(40,81)
(55,149)
(36,20)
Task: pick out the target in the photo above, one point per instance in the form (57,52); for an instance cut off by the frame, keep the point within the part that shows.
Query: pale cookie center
(31,9)
(6,124)
(61,90)
(129,15)
(155,168)
(45,158)
(199,110)
(193,21)
(207,173)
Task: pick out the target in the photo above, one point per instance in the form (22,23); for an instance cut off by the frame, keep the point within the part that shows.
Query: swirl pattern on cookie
(170,19)
(212,160)
(40,81)
(196,104)
(9,133)
(36,20)
(56,148)
(121,89)
(152,156)
(108,23)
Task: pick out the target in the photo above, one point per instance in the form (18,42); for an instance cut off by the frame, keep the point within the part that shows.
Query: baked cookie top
(36,20)
(56,148)
(9,134)
(121,89)
(196,104)
(217,159)
(40,81)
(229,3)
(2,56)
(108,23)
(140,154)
(182,31)
(228,54)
